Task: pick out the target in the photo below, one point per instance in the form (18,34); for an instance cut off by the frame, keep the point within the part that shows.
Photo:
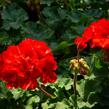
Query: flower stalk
(45,92)
(75,91)
(75,81)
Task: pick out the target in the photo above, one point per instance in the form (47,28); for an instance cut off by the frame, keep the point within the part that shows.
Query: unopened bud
(79,66)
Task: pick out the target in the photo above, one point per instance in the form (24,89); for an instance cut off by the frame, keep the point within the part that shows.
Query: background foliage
(57,22)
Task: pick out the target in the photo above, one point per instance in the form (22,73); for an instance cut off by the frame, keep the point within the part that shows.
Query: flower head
(79,66)
(97,34)
(21,65)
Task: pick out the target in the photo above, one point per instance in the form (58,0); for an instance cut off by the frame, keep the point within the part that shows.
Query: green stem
(75,80)
(75,93)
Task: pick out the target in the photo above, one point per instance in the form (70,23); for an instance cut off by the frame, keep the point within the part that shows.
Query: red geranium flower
(21,65)
(97,34)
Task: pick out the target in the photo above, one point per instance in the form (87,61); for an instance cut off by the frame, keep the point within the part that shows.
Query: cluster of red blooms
(21,65)
(97,34)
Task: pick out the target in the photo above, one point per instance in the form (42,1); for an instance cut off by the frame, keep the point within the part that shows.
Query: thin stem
(78,51)
(45,92)
(75,80)
(78,57)
(75,93)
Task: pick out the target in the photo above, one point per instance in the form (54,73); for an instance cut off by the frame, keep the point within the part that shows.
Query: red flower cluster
(21,65)
(97,34)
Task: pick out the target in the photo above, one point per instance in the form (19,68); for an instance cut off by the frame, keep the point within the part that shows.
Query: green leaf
(56,105)
(69,34)
(37,30)
(4,92)
(13,16)
(47,2)
(34,99)
(88,86)
(84,105)
(31,101)
(61,105)
(4,38)
(74,16)
(81,87)
(17,93)
(52,18)
(28,107)
(62,13)
(62,45)
(45,105)
(64,82)
(97,62)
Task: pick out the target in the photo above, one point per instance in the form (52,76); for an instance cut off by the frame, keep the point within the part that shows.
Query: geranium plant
(54,54)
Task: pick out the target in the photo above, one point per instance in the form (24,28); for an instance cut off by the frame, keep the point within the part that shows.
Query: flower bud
(79,66)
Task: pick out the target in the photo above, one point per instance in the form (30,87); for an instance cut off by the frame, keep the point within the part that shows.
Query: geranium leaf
(13,16)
